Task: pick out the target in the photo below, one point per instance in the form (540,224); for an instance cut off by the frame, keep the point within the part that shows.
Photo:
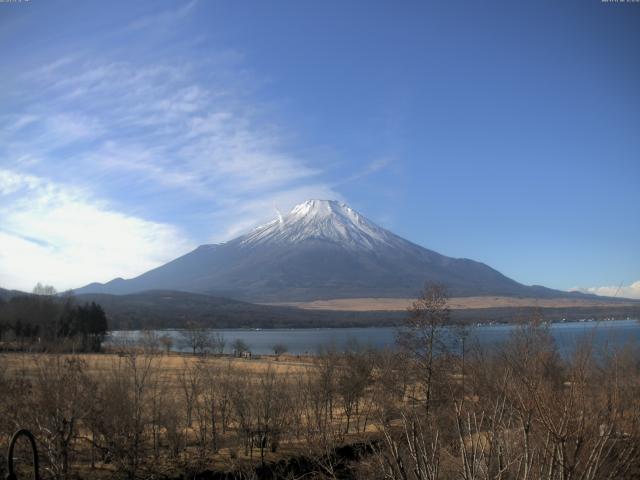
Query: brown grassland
(419,412)
(456,303)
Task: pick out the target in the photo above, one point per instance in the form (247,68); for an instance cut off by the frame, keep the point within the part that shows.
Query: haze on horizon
(507,133)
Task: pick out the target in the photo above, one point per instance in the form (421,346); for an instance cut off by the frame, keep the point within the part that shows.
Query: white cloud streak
(184,136)
(161,122)
(165,18)
(623,291)
(60,236)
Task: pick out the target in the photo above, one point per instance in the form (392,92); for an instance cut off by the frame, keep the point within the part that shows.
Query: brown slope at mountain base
(456,303)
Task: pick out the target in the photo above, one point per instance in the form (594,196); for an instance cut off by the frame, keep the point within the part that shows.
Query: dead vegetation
(518,412)
(457,303)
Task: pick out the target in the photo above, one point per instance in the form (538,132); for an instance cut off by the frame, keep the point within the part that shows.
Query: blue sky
(506,132)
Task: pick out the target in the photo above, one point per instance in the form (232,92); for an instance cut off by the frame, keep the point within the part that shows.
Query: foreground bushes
(519,411)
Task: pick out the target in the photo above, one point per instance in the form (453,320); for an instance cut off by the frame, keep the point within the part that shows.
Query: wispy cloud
(624,291)
(62,236)
(370,168)
(164,18)
(162,122)
(182,141)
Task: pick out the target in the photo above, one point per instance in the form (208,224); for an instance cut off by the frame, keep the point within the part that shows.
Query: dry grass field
(148,415)
(187,411)
(171,365)
(456,303)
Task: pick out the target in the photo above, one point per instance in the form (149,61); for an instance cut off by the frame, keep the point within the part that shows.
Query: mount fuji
(322,249)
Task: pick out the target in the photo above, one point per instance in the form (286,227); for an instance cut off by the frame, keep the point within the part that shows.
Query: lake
(613,333)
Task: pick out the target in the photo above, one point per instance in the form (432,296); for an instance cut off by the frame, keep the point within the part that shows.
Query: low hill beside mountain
(171,309)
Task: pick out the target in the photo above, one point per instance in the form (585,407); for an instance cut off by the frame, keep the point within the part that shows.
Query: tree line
(44,320)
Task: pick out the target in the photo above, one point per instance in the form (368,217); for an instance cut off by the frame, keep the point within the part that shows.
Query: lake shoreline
(480,324)
(307,341)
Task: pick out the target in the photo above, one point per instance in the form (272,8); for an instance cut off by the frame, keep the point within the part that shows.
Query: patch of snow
(325,220)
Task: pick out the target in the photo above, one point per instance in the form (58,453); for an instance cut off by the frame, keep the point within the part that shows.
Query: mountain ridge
(321,249)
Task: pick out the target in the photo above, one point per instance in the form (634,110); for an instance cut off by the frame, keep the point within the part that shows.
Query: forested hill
(171,309)
(7,294)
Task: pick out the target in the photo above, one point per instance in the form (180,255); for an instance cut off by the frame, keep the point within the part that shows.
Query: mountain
(8,294)
(322,249)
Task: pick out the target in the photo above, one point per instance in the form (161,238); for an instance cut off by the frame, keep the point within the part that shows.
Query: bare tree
(167,343)
(217,343)
(242,396)
(41,289)
(239,347)
(421,336)
(189,380)
(272,409)
(208,404)
(58,405)
(120,415)
(150,342)
(354,376)
(196,338)
(279,349)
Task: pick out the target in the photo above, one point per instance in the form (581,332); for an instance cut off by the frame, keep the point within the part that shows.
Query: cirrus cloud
(113,161)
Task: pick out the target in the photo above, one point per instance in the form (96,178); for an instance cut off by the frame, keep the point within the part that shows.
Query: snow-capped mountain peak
(322,208)
(327,220)
(319,250)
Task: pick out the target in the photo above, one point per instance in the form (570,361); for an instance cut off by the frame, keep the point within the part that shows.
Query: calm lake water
(614,333)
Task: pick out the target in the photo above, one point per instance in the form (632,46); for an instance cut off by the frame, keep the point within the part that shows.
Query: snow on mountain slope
(322,220)
(322,249)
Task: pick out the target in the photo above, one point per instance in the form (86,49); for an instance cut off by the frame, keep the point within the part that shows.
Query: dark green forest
(51,322)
